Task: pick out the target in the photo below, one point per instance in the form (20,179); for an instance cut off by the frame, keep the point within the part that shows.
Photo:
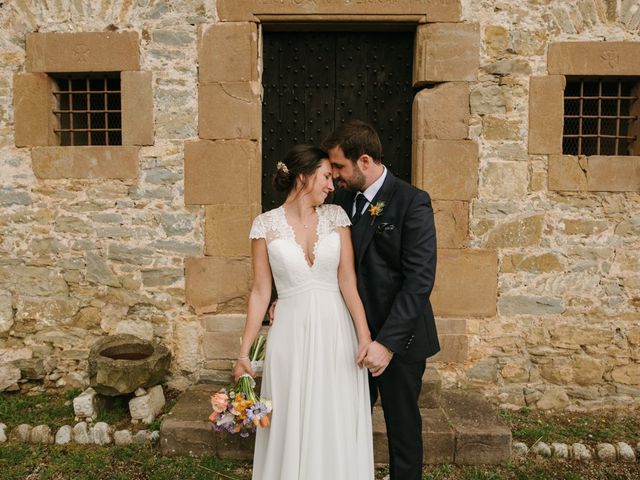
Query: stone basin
(120,364)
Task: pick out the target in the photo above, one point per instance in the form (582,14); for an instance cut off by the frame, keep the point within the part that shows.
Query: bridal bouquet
(238,409)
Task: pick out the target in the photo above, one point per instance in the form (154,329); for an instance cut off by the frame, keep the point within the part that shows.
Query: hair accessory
(282,167)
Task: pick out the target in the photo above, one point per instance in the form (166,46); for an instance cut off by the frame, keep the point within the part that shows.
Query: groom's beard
(355,184)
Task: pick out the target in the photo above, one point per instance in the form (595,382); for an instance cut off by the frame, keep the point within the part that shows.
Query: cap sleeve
(341,218)
(257,229)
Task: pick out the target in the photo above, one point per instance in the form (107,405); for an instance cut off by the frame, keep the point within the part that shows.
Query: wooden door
(313,81)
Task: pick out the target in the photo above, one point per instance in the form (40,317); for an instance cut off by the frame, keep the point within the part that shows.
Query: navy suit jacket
(395,255)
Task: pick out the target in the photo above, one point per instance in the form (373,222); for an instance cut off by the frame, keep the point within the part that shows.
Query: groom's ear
(364,162)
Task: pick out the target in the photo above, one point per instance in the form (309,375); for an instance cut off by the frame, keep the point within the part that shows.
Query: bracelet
(244,357)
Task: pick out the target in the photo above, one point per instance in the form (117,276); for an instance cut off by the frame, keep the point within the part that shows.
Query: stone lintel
(442,112)
(227,229)
(446,52)
(466,283)
(452,223)
(33,110)
(228,52)
(594,58)
(82,52)
(251,10)
(100,162)
(546,114)
(447,169)
(221,172)
(137,108)
(229,111)
(212,282)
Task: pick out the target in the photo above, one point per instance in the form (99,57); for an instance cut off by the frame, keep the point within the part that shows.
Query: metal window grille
(88,109)
(598,114)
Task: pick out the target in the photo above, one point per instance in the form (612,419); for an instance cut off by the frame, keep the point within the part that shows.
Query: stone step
(464,429)
(429,395)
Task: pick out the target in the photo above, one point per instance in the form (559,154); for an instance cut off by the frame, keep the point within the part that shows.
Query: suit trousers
(399,388)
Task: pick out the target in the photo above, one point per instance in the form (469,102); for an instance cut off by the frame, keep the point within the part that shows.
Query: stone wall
(82,258)
(566,333)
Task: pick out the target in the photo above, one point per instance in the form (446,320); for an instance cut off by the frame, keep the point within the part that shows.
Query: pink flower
(219,401)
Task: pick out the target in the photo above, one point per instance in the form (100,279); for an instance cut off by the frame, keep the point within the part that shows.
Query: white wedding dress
(321,420)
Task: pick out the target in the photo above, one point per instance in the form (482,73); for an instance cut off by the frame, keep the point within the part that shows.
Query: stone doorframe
(223,166)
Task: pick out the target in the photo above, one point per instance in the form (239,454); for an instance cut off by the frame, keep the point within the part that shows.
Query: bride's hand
(362,351)
(242,366)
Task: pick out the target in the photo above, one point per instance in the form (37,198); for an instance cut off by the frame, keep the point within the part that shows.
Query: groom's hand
(377,359)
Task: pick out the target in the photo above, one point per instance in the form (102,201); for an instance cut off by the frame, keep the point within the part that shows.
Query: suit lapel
(363,231)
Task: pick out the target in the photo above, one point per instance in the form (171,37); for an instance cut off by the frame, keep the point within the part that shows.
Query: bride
(313,371)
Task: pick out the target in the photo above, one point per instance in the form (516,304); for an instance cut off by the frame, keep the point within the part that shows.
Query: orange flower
(264,421)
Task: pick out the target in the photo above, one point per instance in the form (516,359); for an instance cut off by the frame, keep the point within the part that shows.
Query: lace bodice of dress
(286,257)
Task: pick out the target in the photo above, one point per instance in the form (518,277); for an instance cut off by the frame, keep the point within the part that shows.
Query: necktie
(360,202)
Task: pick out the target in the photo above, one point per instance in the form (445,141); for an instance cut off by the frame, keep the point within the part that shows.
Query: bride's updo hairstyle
(301,159)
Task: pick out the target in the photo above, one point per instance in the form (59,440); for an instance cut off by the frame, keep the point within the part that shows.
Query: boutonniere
(376,211)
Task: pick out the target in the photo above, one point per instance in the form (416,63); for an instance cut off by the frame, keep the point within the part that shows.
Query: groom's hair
(355,138)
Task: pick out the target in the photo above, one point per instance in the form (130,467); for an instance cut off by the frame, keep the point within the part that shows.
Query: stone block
(33,110)
(227,229)
(147,407)
(546,114)
(442,112)
(212,282)
(446,52)
(613,174)
(41,434)
(453,349)
(137,108)
(82,435)
(447,169)
(567,173)
(101,434)
(82,52)
(85,162)
(452,223)
(122,437)
(438,437)
(466,283)
(248,10)
(9,377)
(444,10)
(594,58)
(6,312)
(87,405)
(185,430)
(222,172)
(520,232)
(481,438)
(222,334)
(504,180)
(63,435)
(229,111)
(228,52)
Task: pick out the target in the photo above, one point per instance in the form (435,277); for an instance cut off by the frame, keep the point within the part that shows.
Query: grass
(16,408)
(530,426)
(135,462)
(142,462)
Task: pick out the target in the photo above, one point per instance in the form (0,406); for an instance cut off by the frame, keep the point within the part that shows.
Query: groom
(394,240)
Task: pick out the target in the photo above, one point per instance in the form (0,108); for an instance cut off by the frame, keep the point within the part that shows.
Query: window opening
(88,109)
(599,116)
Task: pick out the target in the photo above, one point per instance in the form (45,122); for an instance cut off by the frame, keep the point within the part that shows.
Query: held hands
(376,358)
(362,351)
(242,366)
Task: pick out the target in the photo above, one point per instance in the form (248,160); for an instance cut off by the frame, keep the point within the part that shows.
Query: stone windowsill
(96,162)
